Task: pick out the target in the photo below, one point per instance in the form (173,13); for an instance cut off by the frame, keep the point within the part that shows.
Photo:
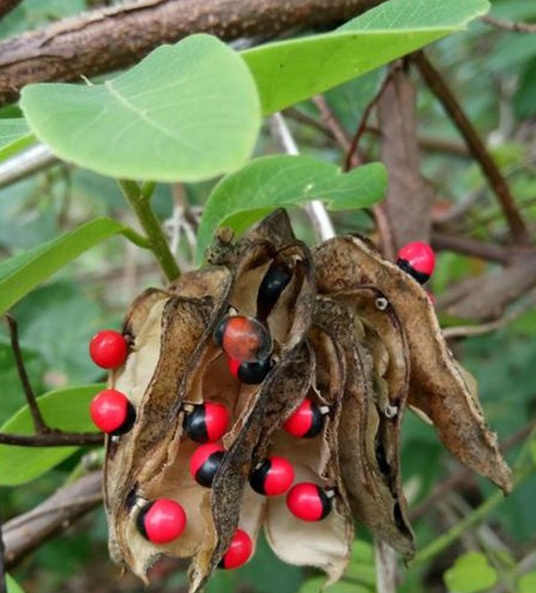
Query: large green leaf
(471,573)
(23,272)
(186,112)
(14,136)
(67,409)
(291,71)
(12,585)
(269,182)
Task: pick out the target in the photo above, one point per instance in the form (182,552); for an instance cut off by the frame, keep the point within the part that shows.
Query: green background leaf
(66,409)
(471,573)
(186,112)
(14,136)
(291,71)
(22,273)
(270,182)
(12,585)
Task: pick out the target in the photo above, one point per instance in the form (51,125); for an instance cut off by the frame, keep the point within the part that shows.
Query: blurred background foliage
(493,73)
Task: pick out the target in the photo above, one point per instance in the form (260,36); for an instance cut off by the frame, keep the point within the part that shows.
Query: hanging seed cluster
(268,391)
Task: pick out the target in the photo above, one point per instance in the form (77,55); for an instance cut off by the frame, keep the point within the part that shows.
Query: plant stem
(151,225)
(444,541)
(53,438)
(136,238)
(38,421)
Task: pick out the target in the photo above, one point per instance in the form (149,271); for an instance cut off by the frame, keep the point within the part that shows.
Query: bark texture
(108,39)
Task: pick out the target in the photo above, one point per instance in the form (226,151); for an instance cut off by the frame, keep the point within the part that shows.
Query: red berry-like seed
(251,373)
(306,421)
(243,338)
(238,552)
(308,502)
(205,462)
(273,477)
(162,521)
(418,259)
(111,411)
(108,349)
(207,422)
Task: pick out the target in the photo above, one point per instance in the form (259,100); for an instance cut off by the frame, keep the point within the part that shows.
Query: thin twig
(38,421)
(509,25)
(497,182)
(465,331)
(464,245)
(456,480)
(53,438)
(386,576)
(363,124)
(336,129)
(315,209)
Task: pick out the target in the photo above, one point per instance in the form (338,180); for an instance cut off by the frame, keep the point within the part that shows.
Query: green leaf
(270,182)
(12,585)
(186,112)
(471,573)
(14,136)
(23,272)
(291,71)
(66,409)
(527,583)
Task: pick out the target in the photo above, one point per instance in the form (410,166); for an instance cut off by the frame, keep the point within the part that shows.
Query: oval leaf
(244,197)
(22,273)
(187,112)
(291,71)
(471,573)
(67,409)
(14,136)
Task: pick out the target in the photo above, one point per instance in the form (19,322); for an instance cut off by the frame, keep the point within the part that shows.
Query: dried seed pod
(437,386)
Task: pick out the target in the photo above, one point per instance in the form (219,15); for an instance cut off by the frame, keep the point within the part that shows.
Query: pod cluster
(267,391)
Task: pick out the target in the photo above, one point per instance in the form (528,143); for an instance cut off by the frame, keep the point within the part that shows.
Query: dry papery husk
(362,348)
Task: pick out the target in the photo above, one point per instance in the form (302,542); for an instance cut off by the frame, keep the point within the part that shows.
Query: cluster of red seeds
(248,346)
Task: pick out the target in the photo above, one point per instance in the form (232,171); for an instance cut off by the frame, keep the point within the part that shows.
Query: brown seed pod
(363,348)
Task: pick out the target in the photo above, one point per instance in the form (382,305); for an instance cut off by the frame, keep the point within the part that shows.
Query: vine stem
(139,200)
(315,209)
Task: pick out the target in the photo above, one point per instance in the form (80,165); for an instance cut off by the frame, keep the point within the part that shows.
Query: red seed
(112,412)
(205,462)
(108,349)
(306,421)
(417,259)
(207,422)
(273,477)
(162,521)
(238,552)
(243,338)
(308,502)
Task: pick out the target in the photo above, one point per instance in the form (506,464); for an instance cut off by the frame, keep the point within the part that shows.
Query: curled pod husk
(368,431)
(438,386)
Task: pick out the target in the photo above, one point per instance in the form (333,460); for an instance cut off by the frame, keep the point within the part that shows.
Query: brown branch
(336,129)
(509,25)
(497,182)
(363,124)
(408,202)
(6,6)
(108,39)
(471,247)
(37,418)
(30,530)
(53,438)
